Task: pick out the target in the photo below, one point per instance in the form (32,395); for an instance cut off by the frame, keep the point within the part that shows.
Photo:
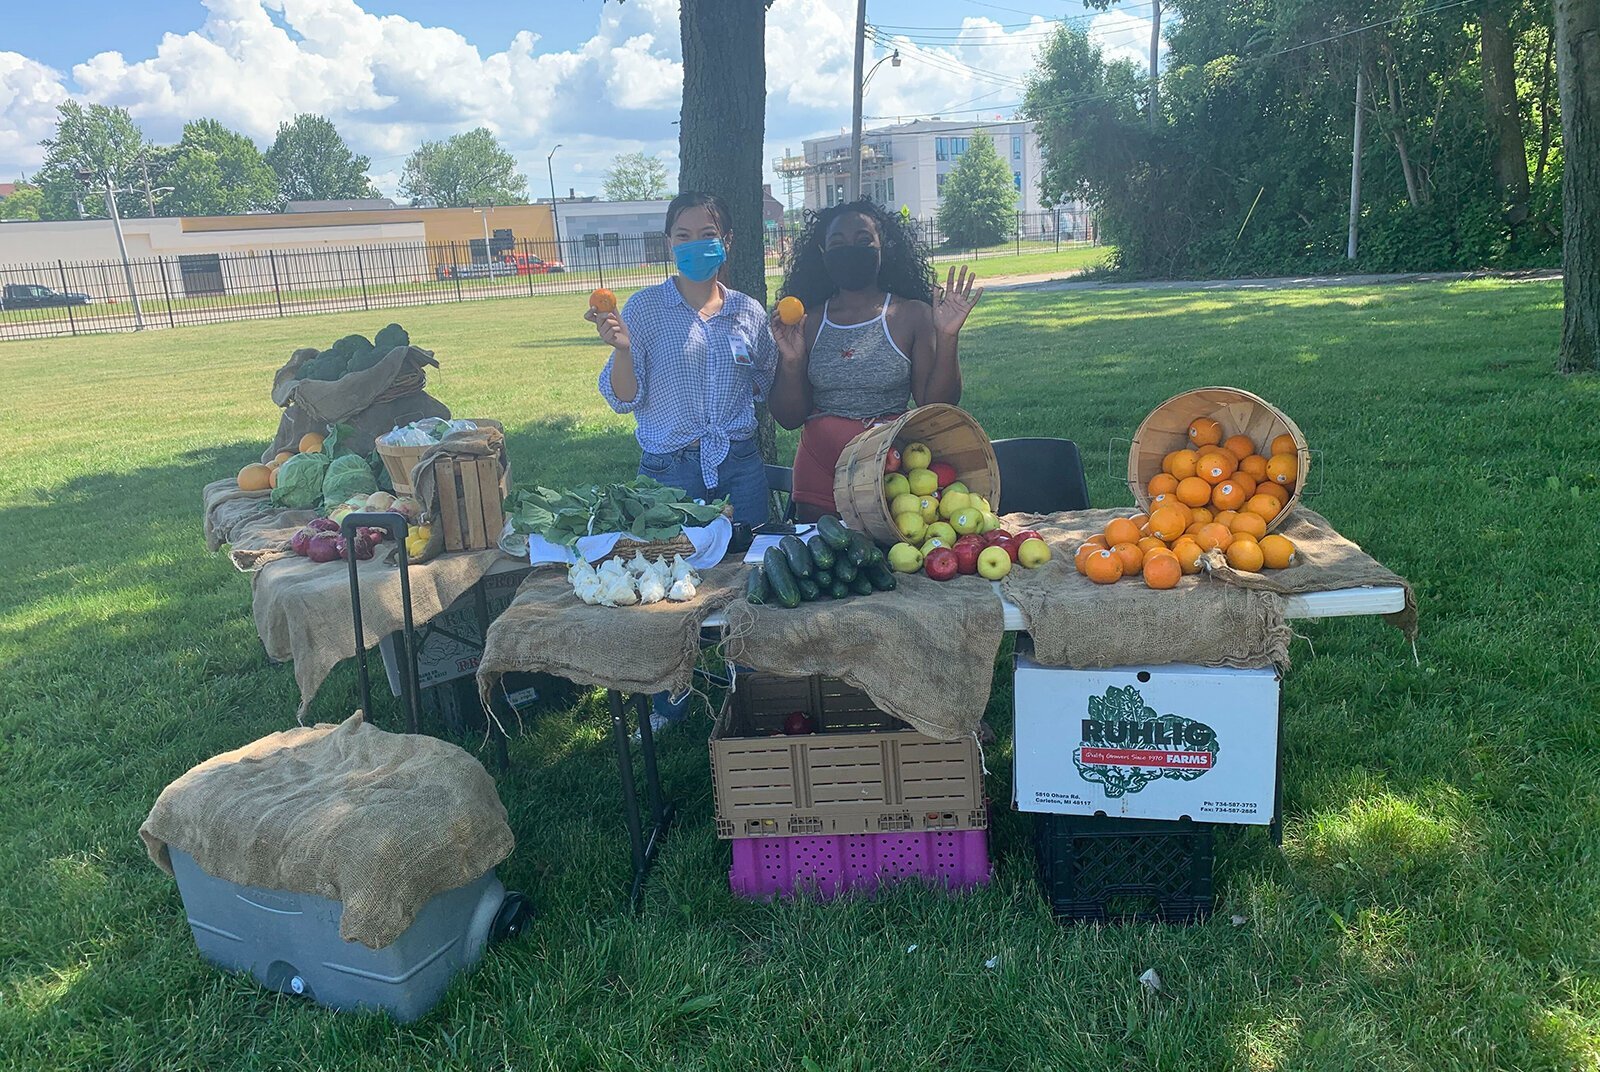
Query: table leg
(497,732)
(647,749)
(643,849)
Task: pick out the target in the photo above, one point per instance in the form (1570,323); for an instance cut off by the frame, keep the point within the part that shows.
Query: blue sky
(598,78)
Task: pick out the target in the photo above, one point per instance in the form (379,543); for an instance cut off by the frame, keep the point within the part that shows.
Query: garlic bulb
(651,589)
(682,590)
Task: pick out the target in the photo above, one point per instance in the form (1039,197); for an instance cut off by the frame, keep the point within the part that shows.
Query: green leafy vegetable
(643,508)
(347,477)
(391,336)
(300,481)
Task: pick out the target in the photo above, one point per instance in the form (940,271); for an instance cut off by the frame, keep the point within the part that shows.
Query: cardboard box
(451,645)
(1148,742)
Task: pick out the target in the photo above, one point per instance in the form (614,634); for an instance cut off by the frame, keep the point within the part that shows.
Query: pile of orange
(1219,496)
(259,477)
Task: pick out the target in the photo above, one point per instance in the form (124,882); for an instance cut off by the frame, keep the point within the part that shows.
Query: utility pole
(555,220)
(1355,163)
(858,87)
(1155,56)
(86,177)
(149,197)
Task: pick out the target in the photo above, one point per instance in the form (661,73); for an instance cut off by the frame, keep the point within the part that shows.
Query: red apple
(891,464)
(995,536)
(1008,545)
(1027,534)
(941,564)
(945,472)
(967,556)
(970,538)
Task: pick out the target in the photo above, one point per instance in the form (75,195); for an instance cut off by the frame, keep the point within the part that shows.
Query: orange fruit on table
(1284,444)
(1245,481)
(1228,495)
(1277,491)
(272,477)
(1167,523)
(1097,540)
(1121,530)
(310,443)
(1255,465)
(1214,537)
(1163,484)
(1264,506)
(1082,554)
(1170,501)
(1277,552)
(283,456)
(255,477)
(1192,491)
(1283,469)
(1244,554)
(1151,543)
(1103,567)
(1202,516)
(1240,446)
(791,311)
(1180,463)
(1162,570)
(1215,466)
(1132,556)
(1248,524)
(1188,554)
(1226,517)
(603,301)
(1140,520)
(1205,432)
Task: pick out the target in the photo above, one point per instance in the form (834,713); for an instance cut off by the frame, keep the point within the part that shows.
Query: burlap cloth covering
(923,653)
(369,401)
(381,822)
(256,531)
(1077,623)
(634,649)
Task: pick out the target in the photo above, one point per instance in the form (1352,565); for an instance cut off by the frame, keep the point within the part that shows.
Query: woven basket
(654,551)
(1166,429)
(401,460)
(409,381)
(949,431)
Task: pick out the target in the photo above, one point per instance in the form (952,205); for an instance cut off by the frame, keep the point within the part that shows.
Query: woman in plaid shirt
(690,359)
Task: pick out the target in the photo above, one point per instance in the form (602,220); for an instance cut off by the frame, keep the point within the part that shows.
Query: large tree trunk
(1397,127)
(720,132)
(1504,117)
(1578,74)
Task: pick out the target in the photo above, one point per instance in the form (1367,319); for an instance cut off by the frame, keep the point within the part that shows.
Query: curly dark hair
(905,270)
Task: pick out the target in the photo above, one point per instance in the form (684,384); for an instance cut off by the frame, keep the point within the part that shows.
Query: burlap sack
(302,608)
(371,401)
(924,652)
(380,822)
(256,531)
(632,649)
(1327,562)
(1077,623)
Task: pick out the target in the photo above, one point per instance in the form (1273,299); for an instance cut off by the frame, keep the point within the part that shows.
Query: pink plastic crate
(825,867)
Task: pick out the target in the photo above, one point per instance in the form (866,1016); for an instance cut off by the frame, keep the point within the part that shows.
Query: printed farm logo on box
(1126,745)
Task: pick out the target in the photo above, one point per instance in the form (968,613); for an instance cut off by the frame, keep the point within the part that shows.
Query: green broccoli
(352,346)
(325,366)
(390,337)
(362,362)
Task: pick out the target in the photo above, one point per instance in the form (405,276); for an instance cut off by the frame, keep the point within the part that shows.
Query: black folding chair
(780,482)
(1040,476)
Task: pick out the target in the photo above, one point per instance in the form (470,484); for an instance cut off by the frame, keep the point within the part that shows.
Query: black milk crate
(1099,869)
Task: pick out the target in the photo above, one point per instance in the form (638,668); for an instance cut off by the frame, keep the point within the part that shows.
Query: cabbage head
(300,481)
(348,477)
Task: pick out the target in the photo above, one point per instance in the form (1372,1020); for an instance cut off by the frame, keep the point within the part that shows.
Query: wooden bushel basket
(1239,412)
(401,460)
(952,435)
(471,491)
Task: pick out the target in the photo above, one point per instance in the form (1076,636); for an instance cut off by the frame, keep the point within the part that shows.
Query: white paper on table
(710,544)
(759,545)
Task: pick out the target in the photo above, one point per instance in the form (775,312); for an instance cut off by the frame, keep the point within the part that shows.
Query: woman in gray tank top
(878,335)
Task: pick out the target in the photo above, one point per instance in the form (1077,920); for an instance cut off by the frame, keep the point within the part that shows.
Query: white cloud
(29,94)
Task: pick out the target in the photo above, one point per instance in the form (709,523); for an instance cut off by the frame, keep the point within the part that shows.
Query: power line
(1048,20)
(949,64)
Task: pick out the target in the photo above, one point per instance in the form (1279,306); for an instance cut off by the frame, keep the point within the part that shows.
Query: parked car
(528,264)
(479,270)
(29,296)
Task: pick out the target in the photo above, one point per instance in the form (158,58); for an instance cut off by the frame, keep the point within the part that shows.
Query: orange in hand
(603,301)
(791,311)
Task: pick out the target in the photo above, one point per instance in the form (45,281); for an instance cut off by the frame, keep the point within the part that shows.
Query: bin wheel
(515,913)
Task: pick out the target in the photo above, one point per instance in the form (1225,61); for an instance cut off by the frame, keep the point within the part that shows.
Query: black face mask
(852,267)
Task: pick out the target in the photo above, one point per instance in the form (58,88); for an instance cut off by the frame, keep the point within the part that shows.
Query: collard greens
(642,507)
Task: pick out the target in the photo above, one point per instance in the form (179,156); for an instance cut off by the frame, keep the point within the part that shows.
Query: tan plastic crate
(862,772)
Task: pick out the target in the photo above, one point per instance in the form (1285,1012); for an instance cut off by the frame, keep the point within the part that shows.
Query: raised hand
(953,301)
(613,332)
(791,340)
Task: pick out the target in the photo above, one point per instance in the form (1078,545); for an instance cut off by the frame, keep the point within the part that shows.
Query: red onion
(301,540)
(324,547)
(322,524)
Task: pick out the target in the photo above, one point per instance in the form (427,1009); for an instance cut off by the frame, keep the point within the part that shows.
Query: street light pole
(483,213)
(858,87)
(122,246)
(555,217)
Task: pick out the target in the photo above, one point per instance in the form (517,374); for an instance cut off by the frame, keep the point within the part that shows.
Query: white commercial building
(904,166)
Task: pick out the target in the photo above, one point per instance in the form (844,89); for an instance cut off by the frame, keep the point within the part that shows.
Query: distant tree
(313,163)
(1577,36)
(979,201)
(467,169)
(218,172)
(24,203)
(99,140)
(636,177)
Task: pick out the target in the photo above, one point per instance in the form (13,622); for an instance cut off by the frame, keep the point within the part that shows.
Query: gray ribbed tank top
(856,370)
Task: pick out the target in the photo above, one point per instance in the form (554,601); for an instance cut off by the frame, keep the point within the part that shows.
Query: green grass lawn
(1435,904)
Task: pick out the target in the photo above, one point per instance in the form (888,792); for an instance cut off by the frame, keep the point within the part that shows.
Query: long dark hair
(714,206)
(904,271)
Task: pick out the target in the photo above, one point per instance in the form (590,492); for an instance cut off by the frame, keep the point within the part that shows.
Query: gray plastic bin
(290,941)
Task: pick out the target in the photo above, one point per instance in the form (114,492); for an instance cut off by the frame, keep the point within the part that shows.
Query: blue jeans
(741,478)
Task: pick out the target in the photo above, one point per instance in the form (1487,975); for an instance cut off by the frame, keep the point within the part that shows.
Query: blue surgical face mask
(700,259)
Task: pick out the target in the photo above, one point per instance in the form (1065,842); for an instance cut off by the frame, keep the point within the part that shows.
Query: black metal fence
(89,297)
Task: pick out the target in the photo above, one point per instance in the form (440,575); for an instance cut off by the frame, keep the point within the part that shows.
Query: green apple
(904,558)
(994,563)
(911,526)
(965,521)
(952,503)
(928,506)
(1033,553)
(944,531)
(981,504)
(987,523)
(923,481)
(933,542)
(916,456)
(895,485)
(956,485)
(905,504)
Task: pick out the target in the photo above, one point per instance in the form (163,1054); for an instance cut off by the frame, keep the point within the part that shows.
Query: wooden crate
(471,494)
(861,772)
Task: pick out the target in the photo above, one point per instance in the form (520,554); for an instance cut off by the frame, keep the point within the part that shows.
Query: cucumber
(756,589)
(796,555)
(833,531)
(841,589)
(861,546)
(824,593)
(862,585)
(845,570)
(875,557)
(822,578)
(808,589)
(776,568)
(880,577)
(822,552)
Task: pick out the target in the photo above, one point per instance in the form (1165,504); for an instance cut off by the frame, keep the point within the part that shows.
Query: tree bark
(1504,117)
(1577,25)
(1155,56)
(1397,128)
(1547,80)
